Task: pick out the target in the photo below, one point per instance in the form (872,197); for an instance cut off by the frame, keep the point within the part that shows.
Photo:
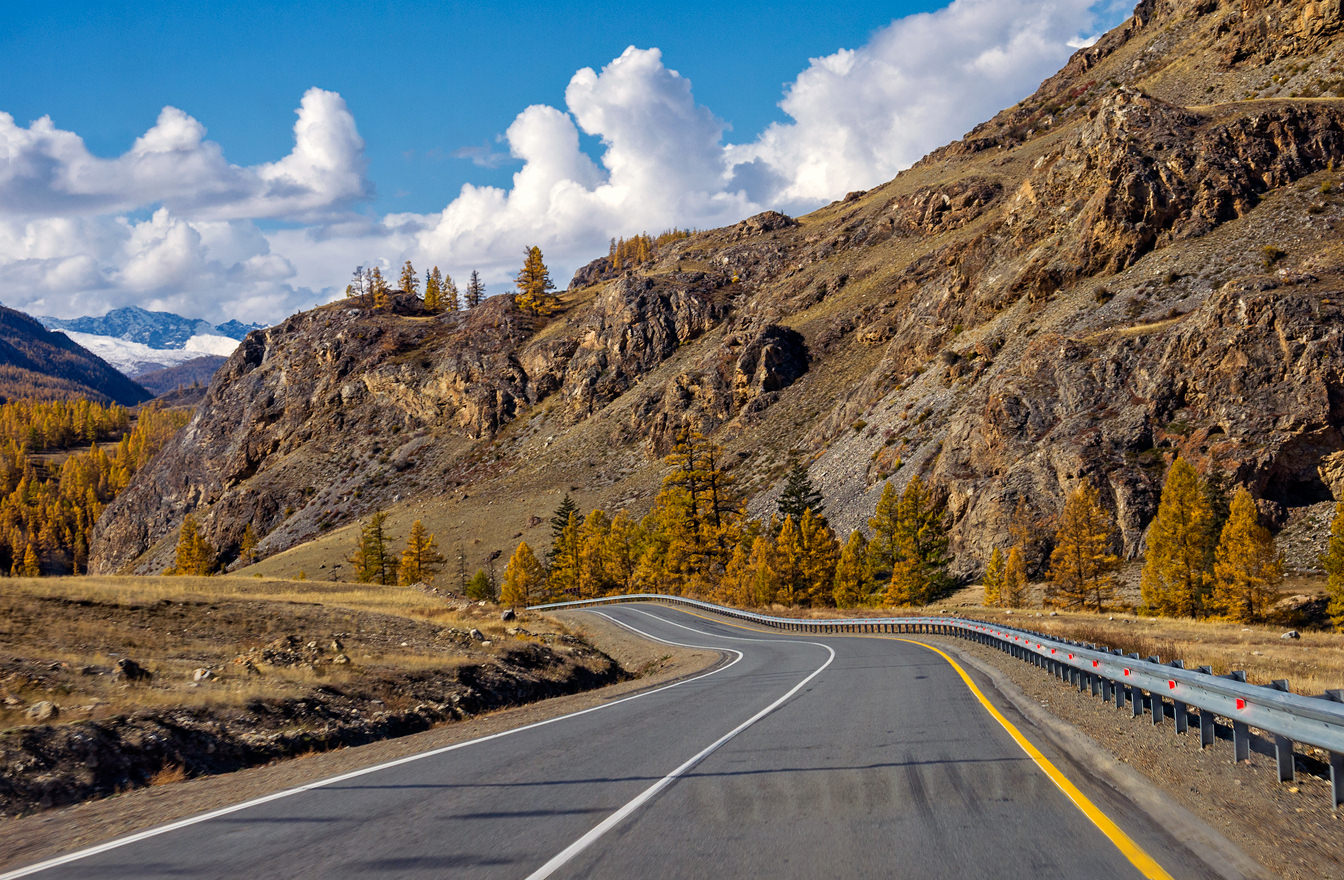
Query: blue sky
(424,80)
(222,208)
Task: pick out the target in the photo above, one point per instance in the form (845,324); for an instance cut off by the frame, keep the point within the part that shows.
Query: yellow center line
(1146,864)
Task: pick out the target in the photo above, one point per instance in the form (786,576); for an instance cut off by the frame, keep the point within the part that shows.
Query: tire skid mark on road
(598,831)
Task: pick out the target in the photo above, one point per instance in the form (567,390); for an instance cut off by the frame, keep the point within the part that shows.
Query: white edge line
(561,858)
(275,796)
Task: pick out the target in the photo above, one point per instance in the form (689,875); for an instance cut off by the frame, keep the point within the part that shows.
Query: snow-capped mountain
(136,358)
(137,341)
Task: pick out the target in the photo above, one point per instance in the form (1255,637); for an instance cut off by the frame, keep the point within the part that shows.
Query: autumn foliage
(50,497)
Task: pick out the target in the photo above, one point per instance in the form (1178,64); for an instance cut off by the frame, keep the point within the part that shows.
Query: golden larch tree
(1175,578)
(194,555)
(1014,579)
(524,578)
(373,561)
(247,546)
(849,588)
(1082,566)
(448,297)
(378,289)
(1332,560)
(993,579)
(421,558)
(410,282)
(1247,567)
(434,290)
(535,285)
(821,553)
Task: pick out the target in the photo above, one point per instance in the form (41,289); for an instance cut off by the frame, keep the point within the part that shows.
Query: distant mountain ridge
(161,330)
(37,363)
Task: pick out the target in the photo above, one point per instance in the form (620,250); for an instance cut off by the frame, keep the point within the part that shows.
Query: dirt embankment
(110,685)
(53,765)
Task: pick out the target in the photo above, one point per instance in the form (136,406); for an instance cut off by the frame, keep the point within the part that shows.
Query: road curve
(802,756)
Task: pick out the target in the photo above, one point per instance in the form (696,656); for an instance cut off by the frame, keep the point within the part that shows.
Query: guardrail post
(1241,732)
(1283,746)
(1336,779)
(1179,711)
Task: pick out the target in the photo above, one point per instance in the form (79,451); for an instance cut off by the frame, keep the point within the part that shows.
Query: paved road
(799,756)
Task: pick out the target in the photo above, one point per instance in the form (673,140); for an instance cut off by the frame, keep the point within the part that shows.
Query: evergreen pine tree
(799,495)
(882,546)
(849,588)
(535,285)
(1247,569)
(524,578)
(1081,565)
(1332,560)
(919,570)
(421,558)
(480,588)
(993,579)
(559,520)
(1175,580)
(475,290)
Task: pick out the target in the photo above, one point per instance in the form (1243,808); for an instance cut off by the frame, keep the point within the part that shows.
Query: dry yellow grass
(61,638)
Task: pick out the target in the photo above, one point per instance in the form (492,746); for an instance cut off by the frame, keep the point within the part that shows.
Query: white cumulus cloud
(170,223)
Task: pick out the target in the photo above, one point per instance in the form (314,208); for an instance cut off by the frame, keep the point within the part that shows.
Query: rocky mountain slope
(37,363)
(1143,257)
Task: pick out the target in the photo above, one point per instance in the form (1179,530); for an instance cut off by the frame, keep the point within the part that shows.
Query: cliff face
(1142,258)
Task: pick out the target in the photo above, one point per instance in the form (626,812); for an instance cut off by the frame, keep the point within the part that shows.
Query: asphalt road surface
(798,756)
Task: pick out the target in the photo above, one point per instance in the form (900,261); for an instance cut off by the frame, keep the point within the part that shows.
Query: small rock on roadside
(508,615)
(477,635)
(44,710)
(1291,634)
(130,671)
(202,674)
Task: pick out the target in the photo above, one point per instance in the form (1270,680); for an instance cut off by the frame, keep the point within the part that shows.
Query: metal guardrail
(1112,675)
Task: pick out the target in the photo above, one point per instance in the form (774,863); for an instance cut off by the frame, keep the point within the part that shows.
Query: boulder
(130,672)
(44,710)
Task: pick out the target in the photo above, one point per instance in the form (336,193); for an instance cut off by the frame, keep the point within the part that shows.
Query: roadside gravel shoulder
(44,835)
(1249,824)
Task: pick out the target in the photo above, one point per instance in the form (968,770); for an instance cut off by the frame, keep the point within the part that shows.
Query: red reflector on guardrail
(1241,704)
(1126,672)
(1070,656)
(1171,684)
(1096,663)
